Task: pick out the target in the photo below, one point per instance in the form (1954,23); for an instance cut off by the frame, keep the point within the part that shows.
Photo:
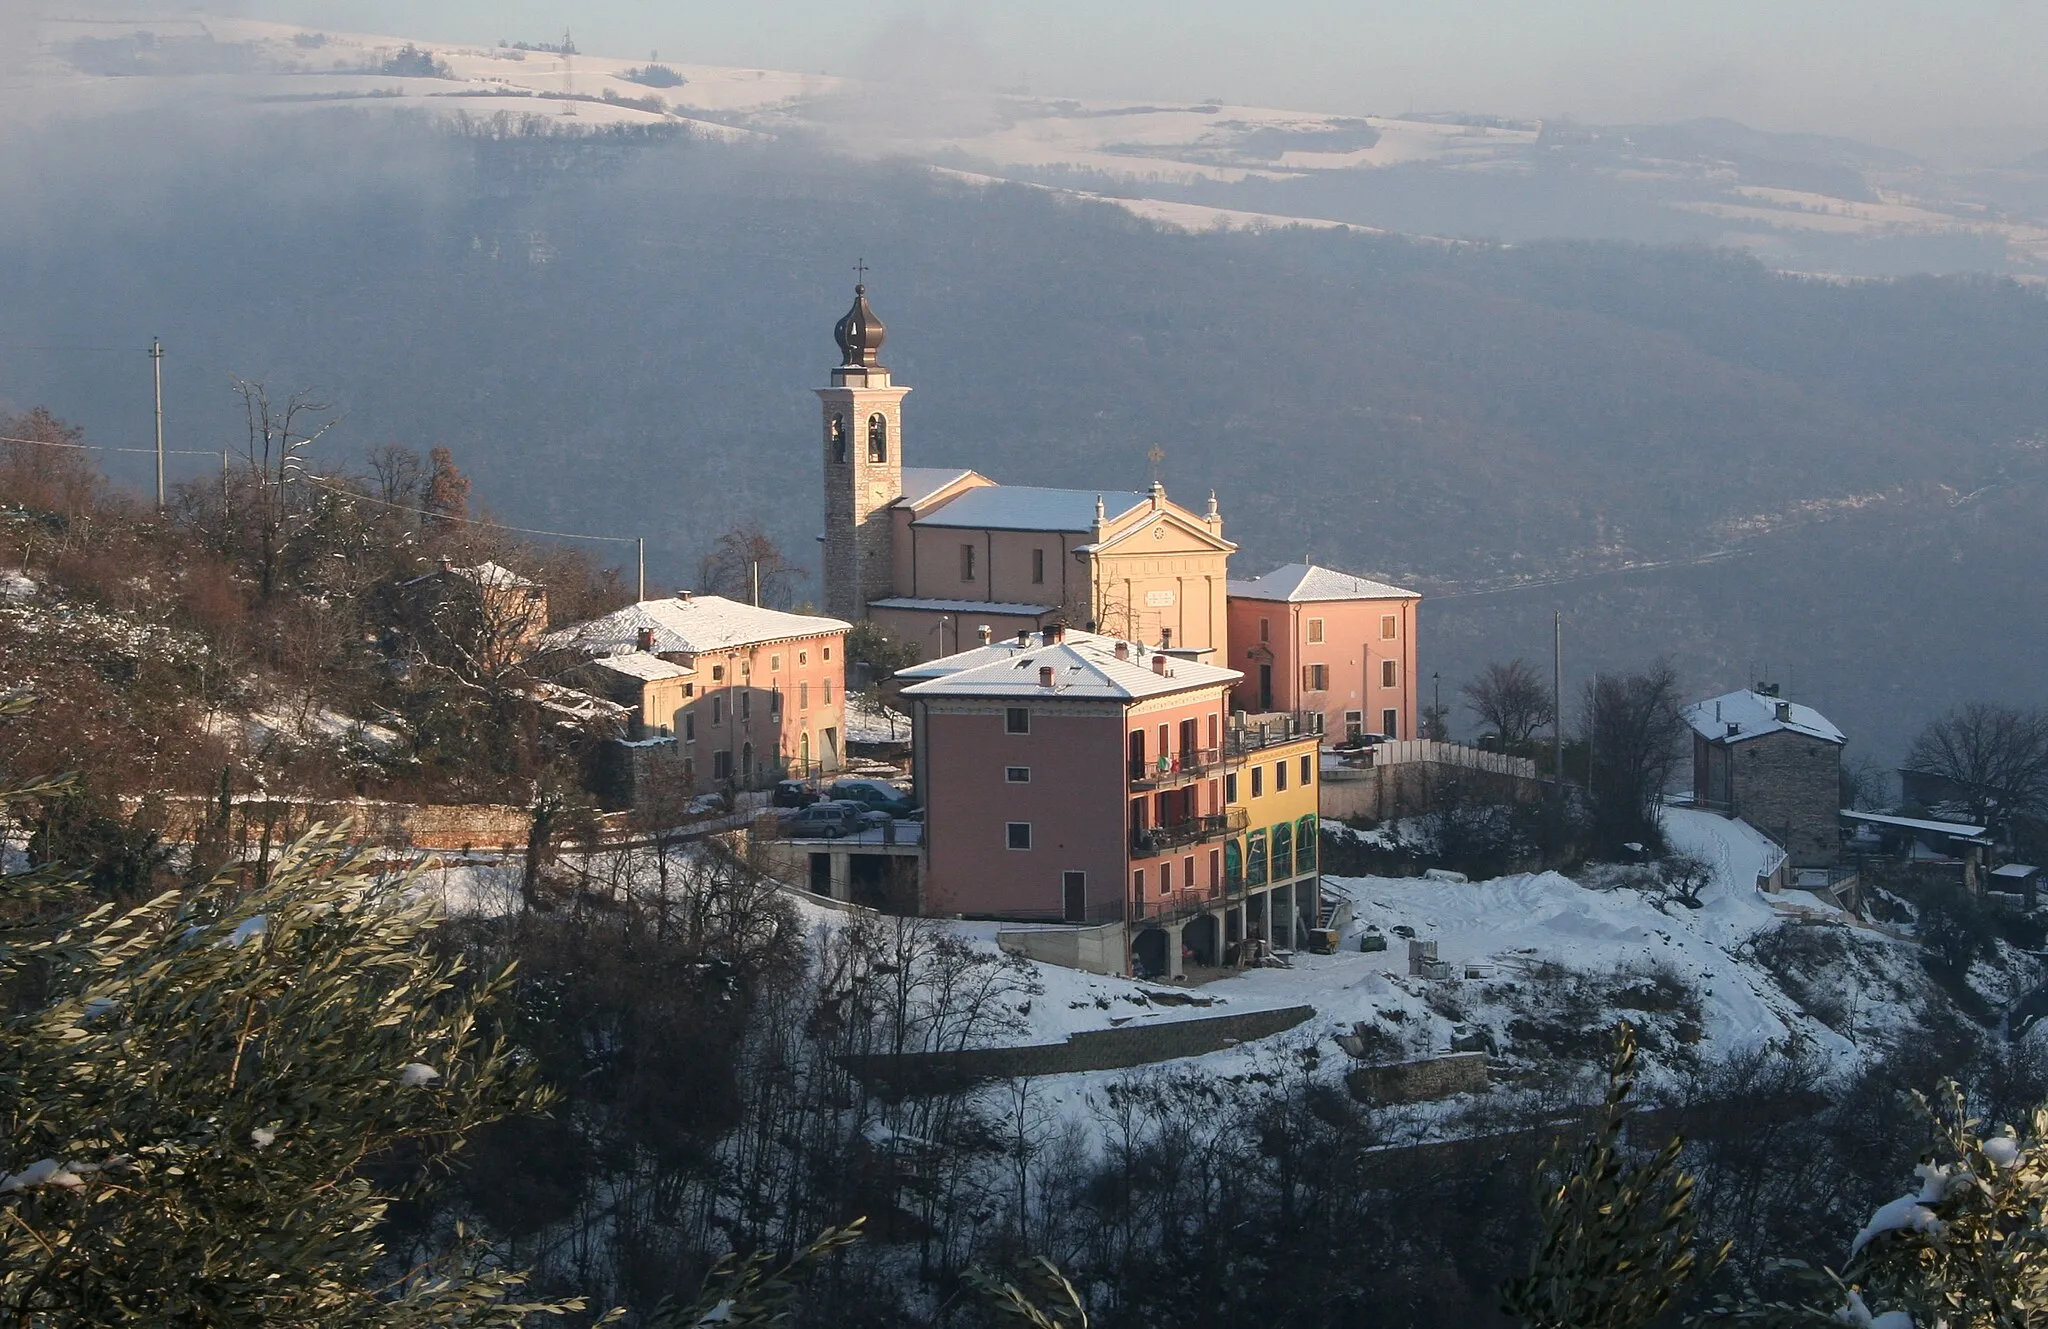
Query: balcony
(1271,730)
(1149,840)
(1190,764)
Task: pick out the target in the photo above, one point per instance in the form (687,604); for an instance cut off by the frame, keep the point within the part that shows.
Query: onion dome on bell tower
(860,334)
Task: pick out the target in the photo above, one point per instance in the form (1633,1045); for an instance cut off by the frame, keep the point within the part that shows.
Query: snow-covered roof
(992,607)
(1024,508)
(1740,716)
(1001,649)
(1298,582)
(1088,670)
(641,665)
(1958,829)
(485,573)
(921,482)
(689,625)
(2015,871)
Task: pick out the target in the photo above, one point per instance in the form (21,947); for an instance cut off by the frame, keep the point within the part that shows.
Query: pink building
(1080,779)
(1337,649)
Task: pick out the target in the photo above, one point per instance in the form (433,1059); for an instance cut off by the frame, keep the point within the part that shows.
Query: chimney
(1023,639)
(447,564)
(1123,650)
(1784,712)
(1045,676)
(1165,639)
(983,633)
(646,640)
(1733,729)
(684,596)
(1055,633)
(1159,665)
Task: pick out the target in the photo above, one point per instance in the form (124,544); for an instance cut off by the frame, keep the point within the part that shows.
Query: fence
(1405,750)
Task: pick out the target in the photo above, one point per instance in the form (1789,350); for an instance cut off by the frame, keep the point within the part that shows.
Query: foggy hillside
(618,336)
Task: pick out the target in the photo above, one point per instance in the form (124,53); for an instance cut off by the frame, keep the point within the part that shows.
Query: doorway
(1265,687)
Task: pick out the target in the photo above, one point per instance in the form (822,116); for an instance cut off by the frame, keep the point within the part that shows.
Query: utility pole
(1436,684)
(754,581)
(1557,694)
(640,566)
(156,359)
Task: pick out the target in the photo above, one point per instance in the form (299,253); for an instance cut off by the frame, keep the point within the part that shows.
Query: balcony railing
(1271,729)
(1187,764)
(1149,840)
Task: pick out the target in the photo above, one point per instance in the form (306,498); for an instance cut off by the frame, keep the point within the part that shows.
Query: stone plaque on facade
(1158,599)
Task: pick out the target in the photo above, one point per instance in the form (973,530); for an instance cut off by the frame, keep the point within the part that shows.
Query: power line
(467,521)
(101,447)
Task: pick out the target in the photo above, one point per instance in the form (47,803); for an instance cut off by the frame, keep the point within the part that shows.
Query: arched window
(1283,851)
(878,438)
(1305,837)
(835,435)
(1255,858)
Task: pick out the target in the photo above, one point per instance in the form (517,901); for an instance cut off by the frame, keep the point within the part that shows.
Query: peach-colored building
(761,695)
(1327,645)
(1070,777)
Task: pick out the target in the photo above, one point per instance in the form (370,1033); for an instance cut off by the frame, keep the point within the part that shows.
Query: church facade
(933,555)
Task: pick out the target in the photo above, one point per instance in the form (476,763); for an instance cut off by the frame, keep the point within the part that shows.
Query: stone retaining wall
(444,826)
(1419,1081)
(1407,789)
(1091,1050)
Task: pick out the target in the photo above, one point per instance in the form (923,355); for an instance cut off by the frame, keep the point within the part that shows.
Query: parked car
(827,820)
(794,794)
(708,805)
(877,794)
(1356,742)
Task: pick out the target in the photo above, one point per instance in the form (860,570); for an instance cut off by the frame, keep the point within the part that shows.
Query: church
(934,555)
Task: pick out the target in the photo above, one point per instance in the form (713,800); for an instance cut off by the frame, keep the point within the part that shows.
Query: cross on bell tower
(863,456)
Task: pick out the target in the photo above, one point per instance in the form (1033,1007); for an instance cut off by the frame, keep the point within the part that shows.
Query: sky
(1957,81)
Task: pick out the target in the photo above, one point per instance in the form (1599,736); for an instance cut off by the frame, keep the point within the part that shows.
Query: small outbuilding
(1774,763)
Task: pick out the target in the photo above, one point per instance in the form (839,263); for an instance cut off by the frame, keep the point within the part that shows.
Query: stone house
(1775,764)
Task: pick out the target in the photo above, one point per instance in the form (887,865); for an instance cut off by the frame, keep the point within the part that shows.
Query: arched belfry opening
(878,437)
(835,438)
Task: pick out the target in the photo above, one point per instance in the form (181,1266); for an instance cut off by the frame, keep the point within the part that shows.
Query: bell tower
(862,432)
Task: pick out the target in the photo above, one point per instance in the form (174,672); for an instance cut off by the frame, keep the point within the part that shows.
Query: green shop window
(1233,865)
(1305,841)
(1283,851)
(1255,858)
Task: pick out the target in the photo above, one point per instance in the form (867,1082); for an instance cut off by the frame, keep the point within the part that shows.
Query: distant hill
(619,334)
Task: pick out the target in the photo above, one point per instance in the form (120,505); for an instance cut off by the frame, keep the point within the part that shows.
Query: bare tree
(1634,730)
(399,474)
(728,569)
(276,453)
(1995,757)
(1511,700)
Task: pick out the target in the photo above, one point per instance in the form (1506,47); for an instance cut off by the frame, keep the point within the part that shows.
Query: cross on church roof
(860,272)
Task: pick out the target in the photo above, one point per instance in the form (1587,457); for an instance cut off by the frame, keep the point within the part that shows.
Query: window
(1354,723)
(1215,723)
(1308,770)
(1315,631)
(1390,674)
(1305,844)
(1038,567)
(967,562)
(746,669)
(689,726)
(1255,858)
(827,685)
(1019,833)
(1166,877)
(718,673)
(1258,781)
(1390,722)
(803,657)
(718,710)
(1283,850)
(689,689)
(878,438)
(1390,627)
(1233,865)
(1138,884)
(1017,774)
(1187,873)
(803,696)
(1315,677)
(1230,787)
(721,766)
(1016,720)
(746,705)
(1265,629)
(1074,895)
(1215,870)
(775,705)
(828,652)
(835,438)
(1279,777)
(774,664)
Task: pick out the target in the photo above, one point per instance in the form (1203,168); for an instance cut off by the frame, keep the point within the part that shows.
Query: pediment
(1167,531)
